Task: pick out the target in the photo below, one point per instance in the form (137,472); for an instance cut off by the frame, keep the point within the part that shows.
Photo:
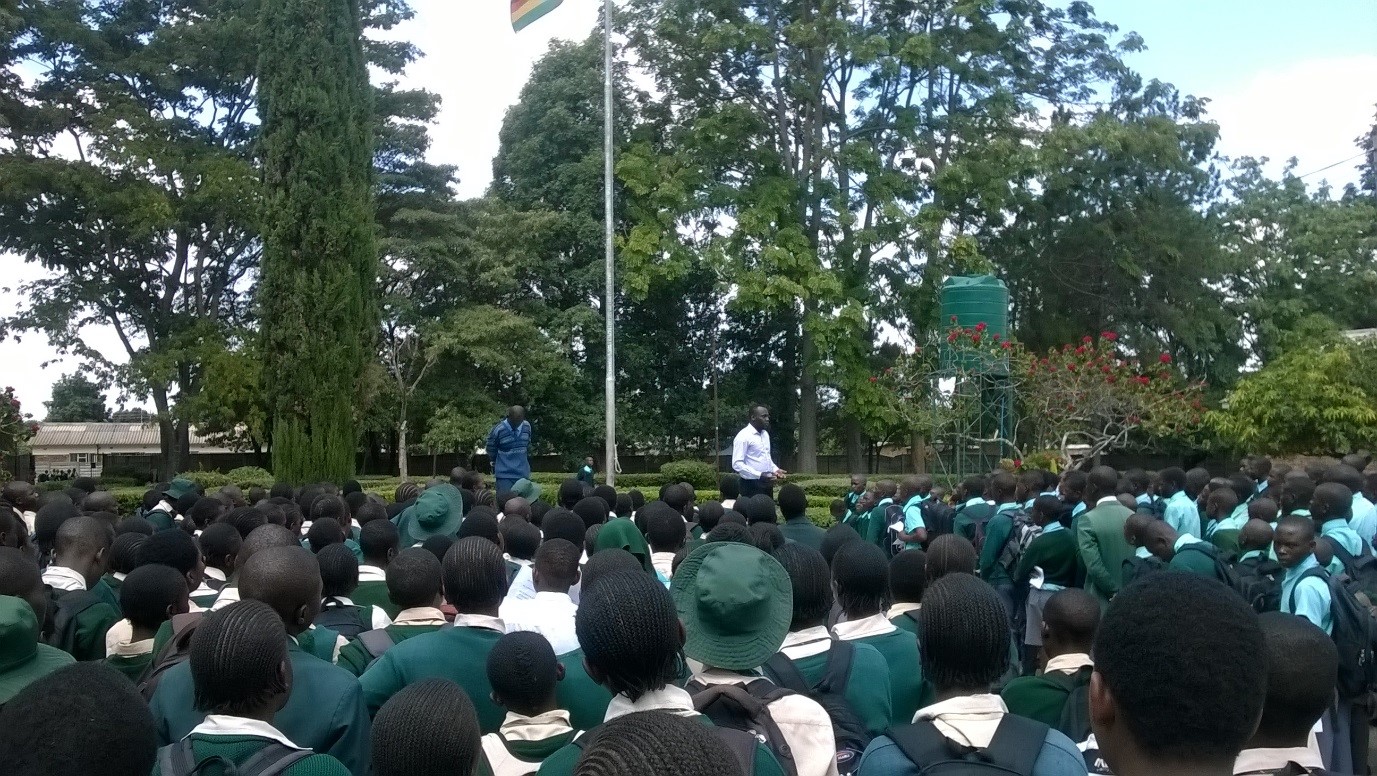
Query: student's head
(1048,509)
(475,576)
(1294,540)
(908,576)
(286,579)
(654,742)
(566,525)
(49,520)
(206,511)
(1103,481)
(1332,501)
(1302,671)
(100,501)
(520,539)
(518,507)
(18,493)
(591,510)
(665,530)
(605,562)
(1297,493)
(630,633)
(20,577)
(1138,481)
(85,718)
(951,554)
(178,550)
(124,553)
(793,502)
(1196,481)
(1127,500)
(369,511)
(379,542)
(1257,467)
(1136,529)
(1003,487)
(556,566)
(1263,509)
(429,728)
(767,537)
(1171,481)
(323,533)
(1029,485)
(1069,620)
(1072,486)
(608,494)
(482,524)
(339,571)
(136,525)
(590,540)
(729,487)
(523,672)
(836,537)
(886,489)
(220,546)
(1221,503)
(730,532)
(1243,486)
(963,635)
(1256,535)
(246,519)
(837,509)
(281,490)
(239,663)
(83,545)
(811,582)
(709,515)
(1177,685)
(414,579)
(152,594)
(762,509)
(624,506)
(861,577)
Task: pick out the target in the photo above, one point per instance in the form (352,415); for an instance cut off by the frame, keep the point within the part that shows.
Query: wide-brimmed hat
(736,604)
(438,510)
(526,489)
(22,659)
(179,488)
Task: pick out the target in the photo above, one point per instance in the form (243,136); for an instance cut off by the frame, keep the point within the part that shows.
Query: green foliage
(207,480)
(251,476)
(76,400)
(16,426)
(695,473)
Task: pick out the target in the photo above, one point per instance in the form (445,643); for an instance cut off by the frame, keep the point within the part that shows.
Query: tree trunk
(807,409)
(918,451)
(402,467)
(855,447)
(166,441)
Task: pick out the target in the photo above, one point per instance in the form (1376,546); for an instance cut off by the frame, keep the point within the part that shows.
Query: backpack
(847,729)
(1354,633)
(1361,572)
(180,760)
(1290,769)
(746,708)
(344,619)
(1022,534)
(175,651)
(1075,714)
(937,517)
(1222,571)
(1136,567)
(65,607)
(893,544)
(1014,749)
(1259,580)
(741,744)
(978,524)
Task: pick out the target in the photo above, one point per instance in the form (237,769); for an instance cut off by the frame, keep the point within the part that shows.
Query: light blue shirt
(1145,500)
(1338,531)
(1182,514)
(972,502)
(1364,518)
(913,518)
(1312,595)
(1077,509)
(1234,522)
(1300,512)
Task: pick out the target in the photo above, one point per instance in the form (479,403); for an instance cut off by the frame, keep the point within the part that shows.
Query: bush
(251,476)
(695,473)
(206,480)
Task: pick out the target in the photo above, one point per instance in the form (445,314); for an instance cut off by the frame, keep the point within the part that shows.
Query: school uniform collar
(63,578)
(874,625)
(1183,540)
(969,720)
(1007,506)
(118,576)
(480,621)
(1250,554)
(668,698)
(132,648)
(226,725)
(1268,760)
(1106,500)
(970,502)
(369,573)
(523,562)
(339,599)
(915,501)
(1300,512)
(211,573)
(517,727)
(1178,497)
(1306,564)
(806,643)
(884,502)
(901,608)
(420,615)
(1053,527)
(1069,663)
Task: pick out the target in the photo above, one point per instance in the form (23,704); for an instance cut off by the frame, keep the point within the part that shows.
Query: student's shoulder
(309,667)
(317,765)
(562,762)
(1059,756)
(883,757)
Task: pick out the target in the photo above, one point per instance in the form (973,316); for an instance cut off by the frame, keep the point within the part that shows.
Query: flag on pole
(526,11)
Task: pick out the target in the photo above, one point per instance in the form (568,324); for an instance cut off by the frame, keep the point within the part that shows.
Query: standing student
(152,595)
(1071,489)
(1100,535)
(908,578)
(1304,589)
(243,678)
(523,672)
(998,531)
(972,510)
(427,729)
(1302,672)
(1330,508)
(1181,512)
(220,544)
(1183,553)
(964,645)
(1049,565)
(793,502)
(586,472)
(80,615)
(1362,517)
(1068,628)
(507,445)
(379,542)
(1177,686)
(912,493)
(1296,495)
(860,577)
(876,522)
(551,612)
(413,587)
(854,493)
(751,459)
(1228,510)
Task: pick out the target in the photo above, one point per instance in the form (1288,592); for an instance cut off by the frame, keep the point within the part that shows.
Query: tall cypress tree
(316,292)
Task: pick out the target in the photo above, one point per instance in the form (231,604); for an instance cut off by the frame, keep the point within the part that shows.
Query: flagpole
(609,311)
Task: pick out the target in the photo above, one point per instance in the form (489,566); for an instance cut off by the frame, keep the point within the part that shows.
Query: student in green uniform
(523,672)
(858,519)
(413,586)
(793,502)
(1296,495)
(838,510)
(971,507)
(243,678)
(1100,535)
(1227,513)
(325,710)
(633,645)
(23,659)
(1254,541)
(177,550)
(1182,552)
(379,542)
(1003,489)
(124,558)
(339,576)
(220,544)
(809,647)
(876,525)
(1068,627)
(860,576)
(20,577)
(1050,564)
(666,533)
(260,538)
(908,577)
(854,493)
(427,729)
(151,595)
(520,541)
(82,545)
(475,584)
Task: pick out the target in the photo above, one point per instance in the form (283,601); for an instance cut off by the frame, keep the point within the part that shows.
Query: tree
(16,427)
(76,400)
(319,258)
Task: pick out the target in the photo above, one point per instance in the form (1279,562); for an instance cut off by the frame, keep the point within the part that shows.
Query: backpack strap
(1015,747)
(272,760)
(376,642)
(177,759)
(912,614)
(1017,743)
(781,670)
(921,742)
(742,746)
(838,670)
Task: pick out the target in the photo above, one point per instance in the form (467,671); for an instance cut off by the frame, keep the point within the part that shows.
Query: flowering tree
(16,427)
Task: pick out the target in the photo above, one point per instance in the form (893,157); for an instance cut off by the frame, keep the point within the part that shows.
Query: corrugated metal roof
(89,436)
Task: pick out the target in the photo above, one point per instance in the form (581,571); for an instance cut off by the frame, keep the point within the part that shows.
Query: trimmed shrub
(207,480)
(251,476)
(695,473)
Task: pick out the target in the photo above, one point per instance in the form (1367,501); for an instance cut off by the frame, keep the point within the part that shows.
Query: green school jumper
(239,748)
(1037,698)
(904,622)
(1055,553)
(131,666)
(562,762)
(867,686)
(584,699)
(459,654)
(900,650)
(1227,542)
(354,658)
(91,626)
(374,593)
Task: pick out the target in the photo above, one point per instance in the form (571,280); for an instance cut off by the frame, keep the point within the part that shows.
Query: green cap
(438,510)
(178,488)
(526,489)
(736,604)
(22,659)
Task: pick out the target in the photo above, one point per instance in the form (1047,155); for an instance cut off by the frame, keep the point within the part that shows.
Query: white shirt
(228,595)
(669,699)
(64,579)
(523,586)
(1269,760)
(969,720)
(751,453)
(549,614)
(369,573)
(518,728)
(205,589)
(225,725)
(874,625)
(663,563)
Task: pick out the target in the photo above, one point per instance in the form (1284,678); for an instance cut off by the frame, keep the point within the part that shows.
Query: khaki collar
(874,625)
(1069,663)
(420,615)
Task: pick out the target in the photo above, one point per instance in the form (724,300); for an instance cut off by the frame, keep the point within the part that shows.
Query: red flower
(1110,379)
(1018,463)
(1109,335)
(1087,339)
(1141,380)
(1005,345)
(1165,358)
(1080,351)
(953,319)
(995,336)
(1104,369)
(873,379)
(980,326)
(951,337)
(975,339)
(1070,367)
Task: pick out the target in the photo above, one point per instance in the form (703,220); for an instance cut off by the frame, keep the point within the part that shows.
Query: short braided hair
(171,548)
(124,553)
(655,742)
(592,510)
(480,524)
(475,575)
(377,538)
(427,729)
(629,630)
(835,537)
(603,563)
(323,533)
(811,581)
(951,554)
(149,592)
(563,524)
(339,571)
(246,519)
(219,543)
(557,562)
(414,578)
(861,575)
(522,672)
(520,538)
(236,659)
(963,634)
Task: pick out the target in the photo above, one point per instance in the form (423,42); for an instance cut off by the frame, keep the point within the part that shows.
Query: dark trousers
(754,487)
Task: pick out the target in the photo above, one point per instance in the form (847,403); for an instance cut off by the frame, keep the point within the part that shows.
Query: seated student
(735,603)
(965,637)
(710,513)
(666,532)
(427,729)
(633,646)
(220,544)
(551,612)
(325,709)
(838,510)
(323,533)
(1177,686)
(1184,553)
(81,617)
(204,512)
(379,542)
(1051,563)
(793,503)
(1329,508)
(860,577)
(151,596)
(261,538)
(1302,671)
(475,582)
(23,659)
(90,719)
(520,540)
(1223,528)
(810,652)
(1068,626)
(124,558)
(339,576)
(651,742)
(243,678)
(558,524)
(175,549)
(413,583)
(766,537)
(908,577)
(523,672)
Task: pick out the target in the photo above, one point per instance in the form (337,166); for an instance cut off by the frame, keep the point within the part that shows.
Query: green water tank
(973,300)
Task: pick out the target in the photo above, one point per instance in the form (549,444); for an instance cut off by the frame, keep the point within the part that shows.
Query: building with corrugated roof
(88,449)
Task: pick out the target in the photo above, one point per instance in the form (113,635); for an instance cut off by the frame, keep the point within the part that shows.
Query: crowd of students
(1097,622)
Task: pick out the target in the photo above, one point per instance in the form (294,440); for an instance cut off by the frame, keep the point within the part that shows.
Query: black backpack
(980,514)
(1259,580)
(1222,571)
(1014,749)
(893,545)
(830,693)
(344,619)
(1355,634)
(746,708)
(180,760)
(175,651)
(1075,713)
(1022,534)
(1290,769)
(937,517)
(1136,567)
(65,607)
(1361,571)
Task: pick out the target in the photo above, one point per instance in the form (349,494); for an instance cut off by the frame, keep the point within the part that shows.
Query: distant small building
(89,449)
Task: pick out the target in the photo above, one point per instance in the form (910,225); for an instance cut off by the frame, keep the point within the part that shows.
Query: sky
(1283,78)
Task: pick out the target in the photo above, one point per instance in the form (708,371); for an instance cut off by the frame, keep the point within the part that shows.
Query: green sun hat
(179,488)
(736,604)
(526,489)
(23,660)
(438,510)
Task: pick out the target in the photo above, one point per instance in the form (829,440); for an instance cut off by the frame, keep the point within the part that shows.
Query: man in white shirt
(551,613)
(751,458)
